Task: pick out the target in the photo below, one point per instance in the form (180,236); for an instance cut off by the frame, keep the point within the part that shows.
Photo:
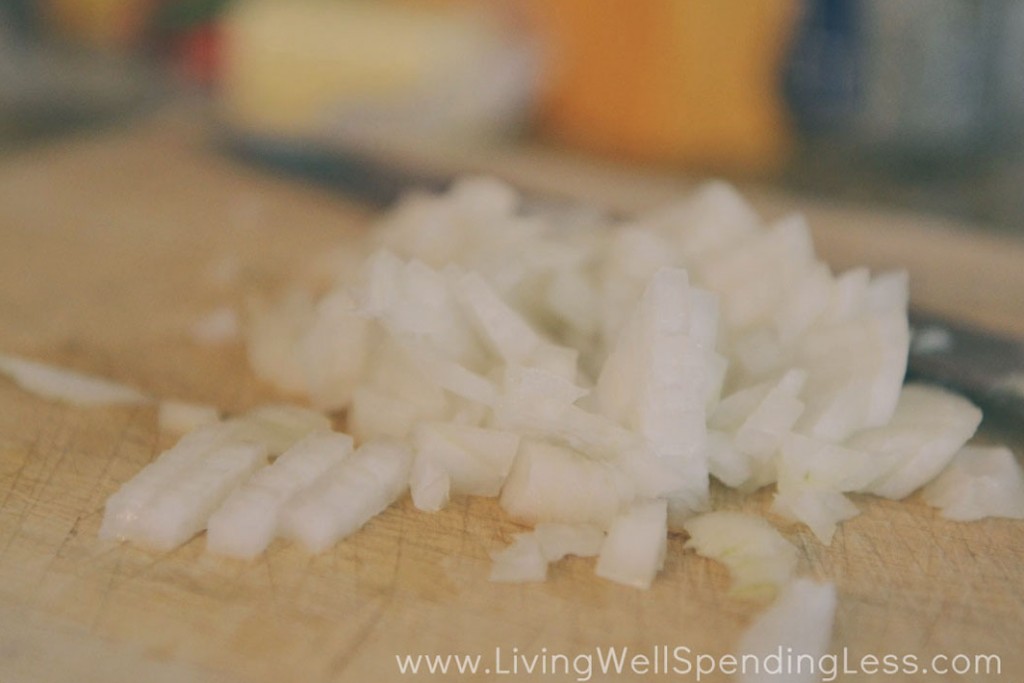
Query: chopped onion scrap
(759,559)
(219,326)
(348,495)
(248,520)
(558,540)
(182,507)
(172,498)
(180,417)
(634,550)
(927,429)
(72,387)
(981,481)
(529,555)
(521,562)
(799,624)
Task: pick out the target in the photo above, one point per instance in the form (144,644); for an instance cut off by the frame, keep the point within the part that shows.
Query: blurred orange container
(694,82)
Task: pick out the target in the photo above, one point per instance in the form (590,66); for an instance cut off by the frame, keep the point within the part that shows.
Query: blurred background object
(50,85)
(301,66)
(692,83)
(911,103)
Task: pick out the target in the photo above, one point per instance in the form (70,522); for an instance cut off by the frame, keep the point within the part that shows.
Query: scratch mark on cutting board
(28,457)
(928,632)
(70,535)
(271,581)
(112,454)
(343,659)
(33,501)
(108,590)
(73,531)
(398,555)
(464,531)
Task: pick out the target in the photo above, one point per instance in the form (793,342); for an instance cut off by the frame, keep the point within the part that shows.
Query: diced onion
(799,625)
(180,417)
(558,540)
(592,374)
(520,562)
(634,550)
(67,385)
(348,495)
(759,559)
(249,518)
(981,481)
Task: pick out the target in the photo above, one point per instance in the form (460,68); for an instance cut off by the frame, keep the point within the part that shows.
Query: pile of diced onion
(594,376)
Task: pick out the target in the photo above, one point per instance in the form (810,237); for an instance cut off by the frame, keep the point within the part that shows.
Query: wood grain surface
(107,246)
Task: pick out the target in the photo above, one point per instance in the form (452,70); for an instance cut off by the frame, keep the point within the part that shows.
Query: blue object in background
(898,78)
(820,83)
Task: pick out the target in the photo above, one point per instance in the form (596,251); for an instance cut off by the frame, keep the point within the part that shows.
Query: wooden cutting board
(112,247)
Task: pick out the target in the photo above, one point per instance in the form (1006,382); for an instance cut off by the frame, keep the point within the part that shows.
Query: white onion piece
(725,462)
(981,481)
(758,353)
(272,335)
(631,259)
(759,418)
(483,197)
(529,385)
(181,509)
(558,540)
(633,552)
(570,303)
(124,507)
(465,412)
(219,326)
(550,483)
(806,304)
(477,460)
(929,426)
(376,415)
(69,386)
(759,559)
(820,509)
(506,332)
(276,426)
(273,428)
(245,524)
(798,624)
(454,377)
(805,462)
(540,403)
(849,297)
(416,304)
(421,225)
(348,495)
(856,367)
(762,431)
(520,562)
(735,408)
(401,369)
(812,474)
(655,382)
(335,350)
(713,218)
(756,276)
(180,417)
(888,296)
(429,484)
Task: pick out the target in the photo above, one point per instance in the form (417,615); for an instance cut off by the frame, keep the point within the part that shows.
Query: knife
(980,364)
